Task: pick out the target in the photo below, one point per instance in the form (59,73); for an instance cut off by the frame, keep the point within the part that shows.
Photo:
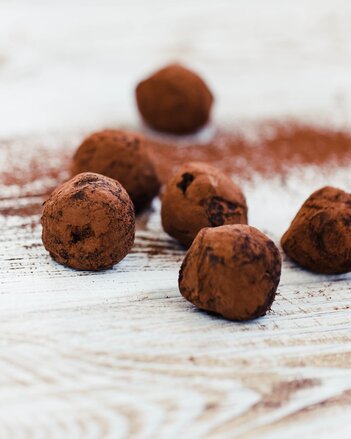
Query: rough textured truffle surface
(231,270)
(175,100)
(319,238)
(123,156)
(198,196)
(88,222)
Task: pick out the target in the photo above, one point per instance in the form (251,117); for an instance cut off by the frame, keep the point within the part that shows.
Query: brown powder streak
(276,148)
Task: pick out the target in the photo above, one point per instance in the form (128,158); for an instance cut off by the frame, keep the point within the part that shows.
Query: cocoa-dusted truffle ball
(231,270)
(121,155)
(175,100)
(319,238)
(198,196)
(88,222)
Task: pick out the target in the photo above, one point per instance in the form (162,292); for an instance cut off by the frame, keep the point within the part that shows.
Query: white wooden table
(120,354)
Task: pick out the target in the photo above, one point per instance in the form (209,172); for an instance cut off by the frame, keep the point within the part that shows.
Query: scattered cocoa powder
(26,161)
(277,148)
(29,171)
(16,209)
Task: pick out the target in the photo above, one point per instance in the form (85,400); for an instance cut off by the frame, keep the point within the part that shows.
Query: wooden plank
(122,354)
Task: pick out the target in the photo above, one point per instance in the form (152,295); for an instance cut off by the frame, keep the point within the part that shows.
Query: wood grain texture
(120,354)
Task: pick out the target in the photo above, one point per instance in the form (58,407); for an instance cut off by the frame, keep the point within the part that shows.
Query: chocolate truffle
(198,196)
(88,222)
(121,155)
(175,100)
(319,238)
(231,270)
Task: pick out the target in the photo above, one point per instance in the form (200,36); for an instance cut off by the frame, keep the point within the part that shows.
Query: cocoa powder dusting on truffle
(319,237)
(121,155)
(231,270)
(199,195)
(174,100)
(88,223)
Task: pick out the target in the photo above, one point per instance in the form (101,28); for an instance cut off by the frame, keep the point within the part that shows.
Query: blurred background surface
(73,64)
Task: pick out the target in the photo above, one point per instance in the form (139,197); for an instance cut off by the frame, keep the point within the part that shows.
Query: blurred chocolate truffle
(198,196)
(174,100)
(231,270)
(121,155)
(319,237)
(88,222)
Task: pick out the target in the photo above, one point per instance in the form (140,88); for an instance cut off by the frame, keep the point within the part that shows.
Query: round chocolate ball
(198,196)
(319,237)
(231,270)
(88,222)
(175,100)
(121,155)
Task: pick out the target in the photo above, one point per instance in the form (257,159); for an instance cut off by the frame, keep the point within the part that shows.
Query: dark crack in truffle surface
(319,237)
(88,222)
(219,211)
(186,180)
(231,270)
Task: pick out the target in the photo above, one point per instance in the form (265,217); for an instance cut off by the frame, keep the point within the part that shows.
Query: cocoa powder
(277,148)
(27,161)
